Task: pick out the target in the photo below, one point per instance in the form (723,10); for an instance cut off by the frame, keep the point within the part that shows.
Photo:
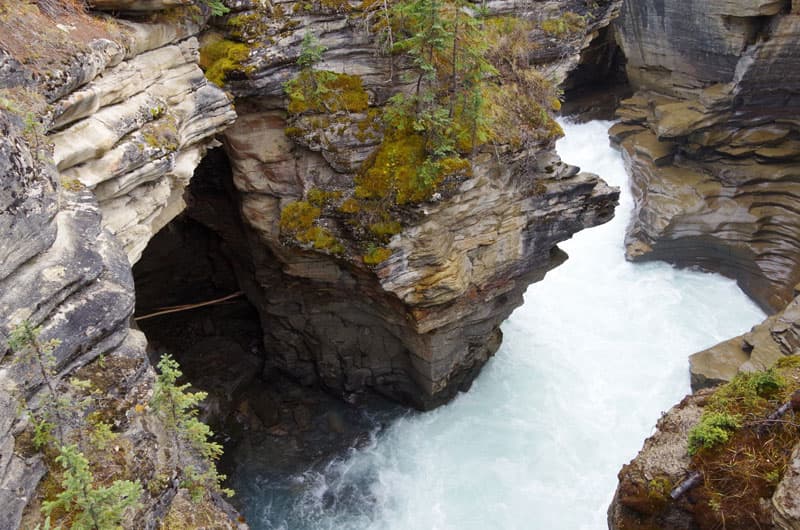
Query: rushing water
(588,363)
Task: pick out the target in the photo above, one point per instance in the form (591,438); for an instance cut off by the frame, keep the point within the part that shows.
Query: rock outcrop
(759,349)
(418,324)
(642,497)
(100,130)
(711,139)
(696,472)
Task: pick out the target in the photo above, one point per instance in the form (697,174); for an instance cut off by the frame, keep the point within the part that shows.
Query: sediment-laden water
(588,363)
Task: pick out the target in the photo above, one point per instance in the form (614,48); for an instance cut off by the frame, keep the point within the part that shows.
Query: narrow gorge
(325,211)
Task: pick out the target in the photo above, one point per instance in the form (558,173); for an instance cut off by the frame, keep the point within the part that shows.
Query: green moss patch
(325,91)
(222,57)
(741,456)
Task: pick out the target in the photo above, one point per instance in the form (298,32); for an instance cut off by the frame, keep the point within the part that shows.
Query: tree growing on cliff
(51,416)
(216,6)
(92,507)
(196,454)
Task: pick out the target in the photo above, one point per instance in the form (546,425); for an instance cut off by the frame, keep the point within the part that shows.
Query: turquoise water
(588,363)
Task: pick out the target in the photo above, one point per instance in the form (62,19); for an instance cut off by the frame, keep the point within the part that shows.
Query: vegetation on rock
(222,57)
(740,453)
(62,427)
(195,455)
(93,507)
(567,24)
(472,86)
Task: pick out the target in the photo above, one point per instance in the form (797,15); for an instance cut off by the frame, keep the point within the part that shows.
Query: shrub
(196,454)
(216,6)
(91,507)
(714,429)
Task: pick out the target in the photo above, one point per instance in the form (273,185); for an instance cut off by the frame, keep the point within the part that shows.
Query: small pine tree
(92,508)
(310,51)
(216,6)
(24,342)
(177,407)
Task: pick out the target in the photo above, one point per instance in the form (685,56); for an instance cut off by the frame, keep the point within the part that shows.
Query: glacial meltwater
(588,363)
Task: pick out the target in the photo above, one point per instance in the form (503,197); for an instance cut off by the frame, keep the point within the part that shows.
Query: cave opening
(191,284)
(594,89)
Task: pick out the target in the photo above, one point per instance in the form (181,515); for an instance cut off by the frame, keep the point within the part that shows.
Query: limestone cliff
(403,296)
(711,138)
(102,122)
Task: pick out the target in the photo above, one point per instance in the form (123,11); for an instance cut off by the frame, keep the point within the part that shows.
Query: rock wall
(98,138)
(418,326)
(711,138)
(711,141)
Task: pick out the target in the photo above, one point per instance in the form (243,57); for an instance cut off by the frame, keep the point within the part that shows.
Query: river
(588,363)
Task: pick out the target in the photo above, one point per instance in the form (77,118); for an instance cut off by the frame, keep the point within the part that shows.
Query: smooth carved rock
(136,135)
(758,349)
(715,167)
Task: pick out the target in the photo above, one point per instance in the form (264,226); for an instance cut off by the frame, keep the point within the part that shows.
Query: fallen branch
(186,307)
(793,403)
(691,481)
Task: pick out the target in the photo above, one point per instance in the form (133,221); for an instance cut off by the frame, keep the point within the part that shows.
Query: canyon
(147,128)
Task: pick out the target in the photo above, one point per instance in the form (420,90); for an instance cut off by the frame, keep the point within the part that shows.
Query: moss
(322,198)
(714,429)
(790,361)
(246,25)
(385,230)
(350,206)
(567,24)
(298,220)
(376,255)
(325,91)
(162,134)
(298,216)
(393,171)
(220,58)
(293,132)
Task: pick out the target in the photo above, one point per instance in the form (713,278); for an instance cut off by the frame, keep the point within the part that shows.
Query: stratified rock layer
(419,325)
(711,139)
(121,125)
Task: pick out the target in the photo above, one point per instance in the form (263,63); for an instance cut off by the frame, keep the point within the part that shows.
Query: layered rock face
(135,134)
(711,138)
(95,148)
(418,325)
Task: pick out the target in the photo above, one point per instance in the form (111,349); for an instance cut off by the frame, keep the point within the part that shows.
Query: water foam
(590,360)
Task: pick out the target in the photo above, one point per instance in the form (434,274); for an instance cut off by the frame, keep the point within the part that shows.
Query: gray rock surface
(711,141)
(126,121)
